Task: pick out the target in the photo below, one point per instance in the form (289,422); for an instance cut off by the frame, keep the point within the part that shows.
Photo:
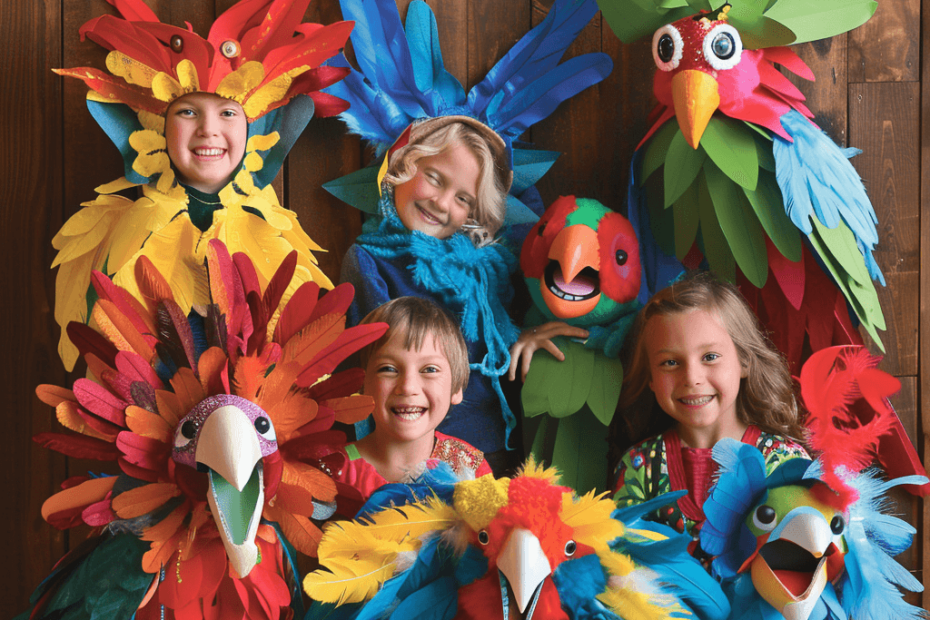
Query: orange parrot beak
(571,283)
(696,98)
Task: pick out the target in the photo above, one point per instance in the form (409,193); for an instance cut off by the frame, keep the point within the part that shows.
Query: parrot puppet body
(733,171)
(220,424)
(814,540)
(581,265)
(523,548)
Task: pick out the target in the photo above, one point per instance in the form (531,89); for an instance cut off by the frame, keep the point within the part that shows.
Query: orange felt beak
(567,292)
(696,98)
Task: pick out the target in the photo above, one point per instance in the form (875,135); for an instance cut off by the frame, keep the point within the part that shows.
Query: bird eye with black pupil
(837,525)
(570,548)
(622,256)
(189,429)
(264,428)
(723,47)
(187,434)
(667,47)
(765,518)
(483,537)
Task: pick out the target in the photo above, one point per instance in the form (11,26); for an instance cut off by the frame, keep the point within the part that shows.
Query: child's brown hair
(414,318)
(767,396)
(490,203)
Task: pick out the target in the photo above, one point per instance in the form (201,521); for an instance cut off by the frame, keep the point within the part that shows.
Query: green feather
(687,218)
(580,452)
(714,243)
(733,149)
(739,225)
(768,203)
(811,21)
(833,247)
(359,189)
(657,148)
(682,164)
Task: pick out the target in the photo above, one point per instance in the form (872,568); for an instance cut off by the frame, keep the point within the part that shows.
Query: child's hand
(540,337)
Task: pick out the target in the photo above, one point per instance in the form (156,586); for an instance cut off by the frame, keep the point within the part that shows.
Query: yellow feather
(533,470)
(636,605)
(348,540)
(347,582)
(412,520)
(589,518)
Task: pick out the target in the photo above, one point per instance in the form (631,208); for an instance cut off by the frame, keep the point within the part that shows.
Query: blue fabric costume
(471,283)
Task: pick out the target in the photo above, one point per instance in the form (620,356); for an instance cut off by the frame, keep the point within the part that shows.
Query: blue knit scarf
(460,276)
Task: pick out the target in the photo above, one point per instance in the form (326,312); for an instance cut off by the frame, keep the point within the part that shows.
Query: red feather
(78,446)
(845,428)
(297,312)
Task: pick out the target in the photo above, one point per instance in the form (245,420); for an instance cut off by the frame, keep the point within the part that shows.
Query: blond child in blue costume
(203,126)
(698,350)
(444,227)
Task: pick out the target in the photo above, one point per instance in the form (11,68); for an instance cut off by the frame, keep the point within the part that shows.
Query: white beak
(524,564)
(229,446)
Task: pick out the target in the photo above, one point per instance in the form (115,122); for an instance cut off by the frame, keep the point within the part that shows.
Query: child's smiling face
(442,194)
(206,136)
(695,370)
(412,389)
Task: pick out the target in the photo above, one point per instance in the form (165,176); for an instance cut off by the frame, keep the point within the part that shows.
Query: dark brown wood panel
(826,95)
(906,505)
(30,211)
(923,437)
(882,118)
(887,47)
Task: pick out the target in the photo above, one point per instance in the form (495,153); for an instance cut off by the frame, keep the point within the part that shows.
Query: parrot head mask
(581,263)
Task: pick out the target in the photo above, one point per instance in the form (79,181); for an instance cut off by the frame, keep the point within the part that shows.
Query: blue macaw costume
(784,553)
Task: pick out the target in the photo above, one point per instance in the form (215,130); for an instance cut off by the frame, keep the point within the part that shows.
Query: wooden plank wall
(870,94)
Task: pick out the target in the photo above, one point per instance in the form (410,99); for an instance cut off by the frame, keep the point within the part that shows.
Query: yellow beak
(696,98)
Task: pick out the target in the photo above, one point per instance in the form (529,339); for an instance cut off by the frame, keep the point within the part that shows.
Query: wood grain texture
(30,212)
(887,47)
(923,437)
(882,118)
(826,95)
(906,505)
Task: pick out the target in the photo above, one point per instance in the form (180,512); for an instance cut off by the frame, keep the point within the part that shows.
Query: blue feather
(428,70)
(578,582)
(872,577)
(437,600)
(817,180)
(659,268)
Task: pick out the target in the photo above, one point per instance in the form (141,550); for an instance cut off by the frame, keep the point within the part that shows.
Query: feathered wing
(153,364)
(872,583)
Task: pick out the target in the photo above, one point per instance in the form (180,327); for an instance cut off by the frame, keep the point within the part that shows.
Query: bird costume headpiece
(401,79)
(220,424)
(257,54)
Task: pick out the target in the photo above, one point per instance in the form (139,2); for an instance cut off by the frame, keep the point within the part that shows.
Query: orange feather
(143,500)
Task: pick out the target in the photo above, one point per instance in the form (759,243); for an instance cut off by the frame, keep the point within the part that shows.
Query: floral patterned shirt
(655,466)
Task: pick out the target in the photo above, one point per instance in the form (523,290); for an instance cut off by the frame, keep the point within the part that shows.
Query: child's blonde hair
(766,396)
(490,203)
(413,318)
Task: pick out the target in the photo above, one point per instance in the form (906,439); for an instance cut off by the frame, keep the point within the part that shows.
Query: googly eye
(177,44)
(483,537)
(667,47)
(188,432)
(264,428)
(723,47)
(837,525)
(622,257)
(765,518)
(229,49)
(570,548)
